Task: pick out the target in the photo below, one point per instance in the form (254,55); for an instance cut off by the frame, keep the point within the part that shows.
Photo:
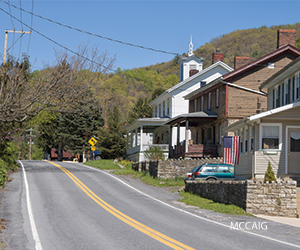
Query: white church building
(146,132)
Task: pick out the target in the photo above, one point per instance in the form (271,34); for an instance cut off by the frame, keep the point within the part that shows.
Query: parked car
(188,175)
(214,171)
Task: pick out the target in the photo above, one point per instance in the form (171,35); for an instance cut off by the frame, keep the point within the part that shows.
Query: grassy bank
(124,168)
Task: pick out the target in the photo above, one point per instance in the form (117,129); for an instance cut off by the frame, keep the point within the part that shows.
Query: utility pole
(31,136)
(105,115)
(5,44)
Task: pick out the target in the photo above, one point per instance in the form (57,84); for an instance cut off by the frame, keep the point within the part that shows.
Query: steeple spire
(191,48)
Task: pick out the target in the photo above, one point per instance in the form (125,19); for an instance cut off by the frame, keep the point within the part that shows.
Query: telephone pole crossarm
(5,43)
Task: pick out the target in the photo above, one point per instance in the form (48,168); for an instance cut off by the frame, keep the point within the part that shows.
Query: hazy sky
(159,25)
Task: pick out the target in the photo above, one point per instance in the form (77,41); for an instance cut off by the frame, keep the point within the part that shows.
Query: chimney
(286,37)
(217,56)
(240,61)
(193,72)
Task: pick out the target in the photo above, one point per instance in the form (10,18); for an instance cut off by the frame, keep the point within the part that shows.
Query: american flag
(231,149)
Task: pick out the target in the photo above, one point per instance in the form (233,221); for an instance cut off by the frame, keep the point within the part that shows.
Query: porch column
(178,133)
(170,142)
(186,136)
(141,141)
(136,137)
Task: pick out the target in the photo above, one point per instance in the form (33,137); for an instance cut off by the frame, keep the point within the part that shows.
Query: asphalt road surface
(71,206)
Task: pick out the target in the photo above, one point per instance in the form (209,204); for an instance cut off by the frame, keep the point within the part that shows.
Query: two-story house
(154,131)
(232,97)
(273,135)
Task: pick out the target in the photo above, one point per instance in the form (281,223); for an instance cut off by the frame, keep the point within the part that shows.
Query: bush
(154,153)
(270,175)
(3,176)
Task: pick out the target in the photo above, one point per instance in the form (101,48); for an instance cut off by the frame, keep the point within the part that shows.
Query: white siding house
(170,104)
(273,136)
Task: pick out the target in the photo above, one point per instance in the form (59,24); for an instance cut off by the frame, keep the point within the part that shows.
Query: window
(251,139)
(287,85)
(202,84)
(242,140)
(195,105)
(220,134)
(209,100)
(270,136)
(246,139)
(202,103)
(295,142)
(155,111)
(159,110)
(208,169)
(164,107)
(168,106)
(217,98)
(276,94)
(223,170)
(297,87)
(293,89)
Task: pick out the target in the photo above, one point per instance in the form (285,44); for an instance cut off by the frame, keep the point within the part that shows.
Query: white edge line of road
(202,218)
(38,245)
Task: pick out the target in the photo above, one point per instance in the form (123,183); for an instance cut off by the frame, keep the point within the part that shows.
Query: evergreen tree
(141,109)
(270,175)
(111,140)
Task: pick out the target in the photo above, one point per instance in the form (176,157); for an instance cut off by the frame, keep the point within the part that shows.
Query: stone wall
(274,199)
(172,167)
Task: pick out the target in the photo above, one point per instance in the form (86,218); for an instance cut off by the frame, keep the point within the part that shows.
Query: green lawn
(178,182)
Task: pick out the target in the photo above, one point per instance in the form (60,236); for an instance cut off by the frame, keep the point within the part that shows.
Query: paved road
(72,206)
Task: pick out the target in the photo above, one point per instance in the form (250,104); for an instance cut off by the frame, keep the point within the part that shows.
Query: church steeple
(191,53)
(190,64)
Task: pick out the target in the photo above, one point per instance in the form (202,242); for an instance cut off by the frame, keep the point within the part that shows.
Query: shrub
(154,153)
(3,176)
(270,175)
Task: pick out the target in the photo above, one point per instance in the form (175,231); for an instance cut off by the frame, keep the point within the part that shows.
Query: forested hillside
(126,87)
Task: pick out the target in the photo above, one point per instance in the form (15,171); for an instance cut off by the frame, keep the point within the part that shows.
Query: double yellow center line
(128,220)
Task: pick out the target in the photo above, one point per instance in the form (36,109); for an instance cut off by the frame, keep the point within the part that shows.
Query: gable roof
(286,48)
(227,77)
(201,72)
(281,74)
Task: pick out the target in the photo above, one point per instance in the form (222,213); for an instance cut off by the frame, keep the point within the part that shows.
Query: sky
(165,27)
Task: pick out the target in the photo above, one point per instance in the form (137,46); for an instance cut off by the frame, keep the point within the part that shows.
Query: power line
(64,47)
(89,33)
(31,23)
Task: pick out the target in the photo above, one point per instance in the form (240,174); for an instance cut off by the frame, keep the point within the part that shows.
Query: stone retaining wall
(274,199)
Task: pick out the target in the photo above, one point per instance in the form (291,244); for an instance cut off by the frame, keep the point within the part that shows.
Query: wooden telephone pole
(105,114)
(5,44)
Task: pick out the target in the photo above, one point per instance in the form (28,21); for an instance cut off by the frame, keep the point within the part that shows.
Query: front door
(293,151)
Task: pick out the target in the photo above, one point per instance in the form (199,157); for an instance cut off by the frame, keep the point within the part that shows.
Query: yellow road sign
(92,141)
(93,148)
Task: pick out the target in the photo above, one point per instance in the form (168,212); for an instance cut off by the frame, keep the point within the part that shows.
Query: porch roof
(148,124)
(196,117)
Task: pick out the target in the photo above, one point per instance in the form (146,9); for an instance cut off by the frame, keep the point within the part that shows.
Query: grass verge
(196,200)
(188,198)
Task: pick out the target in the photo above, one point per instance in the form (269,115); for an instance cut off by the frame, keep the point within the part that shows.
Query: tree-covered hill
(126,87)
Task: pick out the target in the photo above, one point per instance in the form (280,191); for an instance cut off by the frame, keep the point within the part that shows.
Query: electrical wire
(91,34)
(21,28)
(60,45)
(31,24)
